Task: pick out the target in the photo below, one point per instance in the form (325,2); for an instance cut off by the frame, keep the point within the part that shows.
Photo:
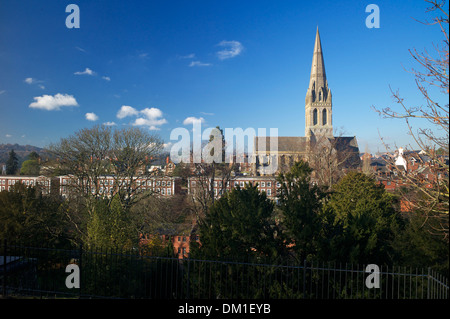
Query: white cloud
(190,120)
(151,117)
(34,81)
(125,111)
(2,91)
(52,103)
(198,63)
(91,117)
(189,56)
(232,49)
(109,124)
(206,113)
(143,56)
(80,49)
(87,71)
(152,113)
(106,78)
(8,135)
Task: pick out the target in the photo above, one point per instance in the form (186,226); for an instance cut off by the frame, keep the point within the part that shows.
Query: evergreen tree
(28,217)
(110,226)
(419,246)
(360,222)
(300,202)
(30,167)
(12,164)
(239,226)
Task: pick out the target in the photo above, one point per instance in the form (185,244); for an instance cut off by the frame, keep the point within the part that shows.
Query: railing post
(81,271)
(428,282)
(304,278)
(188,276)
(4,267)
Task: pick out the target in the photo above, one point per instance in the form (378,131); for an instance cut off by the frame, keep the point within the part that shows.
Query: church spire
(318,105)
(318,77)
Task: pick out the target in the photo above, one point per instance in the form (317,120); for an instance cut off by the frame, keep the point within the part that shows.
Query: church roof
(286,144)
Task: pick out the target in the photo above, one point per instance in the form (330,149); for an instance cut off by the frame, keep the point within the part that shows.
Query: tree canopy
(360,221)
(239,225)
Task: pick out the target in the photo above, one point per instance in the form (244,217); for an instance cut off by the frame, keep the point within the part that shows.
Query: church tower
(318,106)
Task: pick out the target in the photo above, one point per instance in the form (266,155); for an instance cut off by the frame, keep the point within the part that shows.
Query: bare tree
(432,82)
(97,157)
(211,178)
(331,157)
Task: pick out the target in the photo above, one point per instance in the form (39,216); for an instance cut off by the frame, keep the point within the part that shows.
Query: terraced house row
(106,185)
(161,185)
(267,184)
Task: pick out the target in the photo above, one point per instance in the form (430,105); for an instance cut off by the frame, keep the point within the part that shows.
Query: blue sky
(233,63)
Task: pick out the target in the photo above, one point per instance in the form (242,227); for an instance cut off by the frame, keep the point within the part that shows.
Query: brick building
(267,184)
(45,184)
(62,185)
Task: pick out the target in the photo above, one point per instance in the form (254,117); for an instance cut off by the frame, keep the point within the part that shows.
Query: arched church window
(315,117)
(320,96)
(324,117)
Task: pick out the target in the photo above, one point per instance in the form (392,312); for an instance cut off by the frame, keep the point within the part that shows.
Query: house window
(263,184)
(169,183)
(269,192)
(269,184)
(169,191)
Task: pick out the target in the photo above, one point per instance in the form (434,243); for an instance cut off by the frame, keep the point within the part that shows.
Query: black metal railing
(37,271)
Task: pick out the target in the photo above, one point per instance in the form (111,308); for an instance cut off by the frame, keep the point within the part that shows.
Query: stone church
(319,141)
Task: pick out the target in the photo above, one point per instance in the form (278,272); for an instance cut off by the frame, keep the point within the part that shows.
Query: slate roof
(286,144)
